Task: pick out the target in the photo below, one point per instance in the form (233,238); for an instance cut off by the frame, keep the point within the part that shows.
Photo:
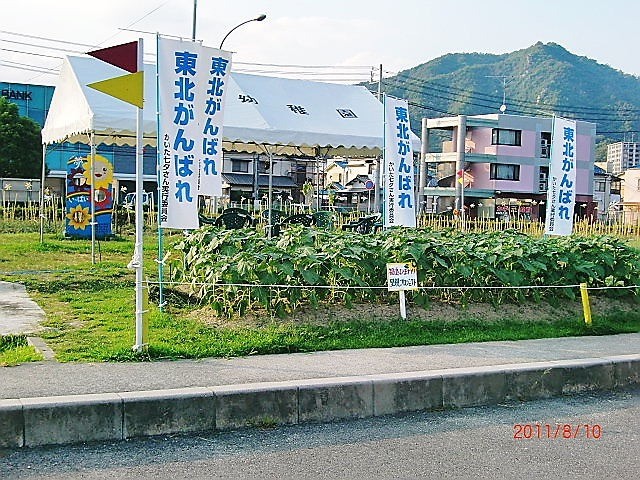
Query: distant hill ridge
(543,79)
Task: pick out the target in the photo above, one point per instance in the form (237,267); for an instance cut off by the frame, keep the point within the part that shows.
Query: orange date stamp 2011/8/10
(566,431)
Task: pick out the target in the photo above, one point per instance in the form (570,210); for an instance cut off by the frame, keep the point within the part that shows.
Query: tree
(20,143)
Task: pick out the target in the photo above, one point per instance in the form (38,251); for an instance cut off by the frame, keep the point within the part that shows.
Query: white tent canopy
(286,116)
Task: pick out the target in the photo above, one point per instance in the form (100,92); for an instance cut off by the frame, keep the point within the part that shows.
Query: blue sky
(336,33)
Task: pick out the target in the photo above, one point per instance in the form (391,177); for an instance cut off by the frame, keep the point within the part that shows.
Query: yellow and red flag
(128,88)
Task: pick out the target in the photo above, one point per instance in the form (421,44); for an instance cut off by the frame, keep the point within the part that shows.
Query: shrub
(218,265)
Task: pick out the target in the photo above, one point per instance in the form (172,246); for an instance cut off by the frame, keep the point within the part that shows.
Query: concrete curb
(119,416)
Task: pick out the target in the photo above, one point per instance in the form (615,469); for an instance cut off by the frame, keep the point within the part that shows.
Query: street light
(195,10)
(195,16)
(257,19)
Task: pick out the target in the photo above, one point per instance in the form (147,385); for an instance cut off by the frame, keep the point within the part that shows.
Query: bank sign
(15,94)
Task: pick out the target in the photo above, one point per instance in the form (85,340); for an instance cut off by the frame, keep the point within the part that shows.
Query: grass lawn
(90,313)
(15,350)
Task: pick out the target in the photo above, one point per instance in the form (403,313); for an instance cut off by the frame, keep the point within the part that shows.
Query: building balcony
(468,157)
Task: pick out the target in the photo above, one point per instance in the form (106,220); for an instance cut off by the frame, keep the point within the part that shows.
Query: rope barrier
(360,287)
(340,287)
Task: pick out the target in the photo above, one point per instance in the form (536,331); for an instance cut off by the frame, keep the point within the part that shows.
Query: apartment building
(622,156)
(497,166)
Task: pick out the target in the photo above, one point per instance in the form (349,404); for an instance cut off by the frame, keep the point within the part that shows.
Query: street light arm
(257,19)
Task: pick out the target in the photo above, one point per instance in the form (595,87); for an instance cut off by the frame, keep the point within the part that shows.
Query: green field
(90,311)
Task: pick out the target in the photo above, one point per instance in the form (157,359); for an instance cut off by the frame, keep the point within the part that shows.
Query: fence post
(585,304)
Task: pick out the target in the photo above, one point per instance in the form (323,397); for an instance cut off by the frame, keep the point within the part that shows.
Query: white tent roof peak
(283,115)
(77,110)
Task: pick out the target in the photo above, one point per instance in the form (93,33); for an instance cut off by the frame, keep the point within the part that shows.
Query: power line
(522,112)
(303,66)
(54,40)
(297,73)
(596,116)
(516,101)
(136,21)
(5,62)
(31,53)
(40,46)
(48,72)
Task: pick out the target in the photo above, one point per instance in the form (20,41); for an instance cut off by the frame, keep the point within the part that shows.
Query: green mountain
(543,79)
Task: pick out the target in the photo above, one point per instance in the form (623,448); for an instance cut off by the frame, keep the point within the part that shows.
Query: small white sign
(402,276)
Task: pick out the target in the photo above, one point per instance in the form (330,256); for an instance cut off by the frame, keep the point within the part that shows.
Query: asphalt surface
(460,444)
(52,378)
(20,314)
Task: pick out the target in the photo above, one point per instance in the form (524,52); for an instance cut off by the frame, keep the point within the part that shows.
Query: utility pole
(504,78)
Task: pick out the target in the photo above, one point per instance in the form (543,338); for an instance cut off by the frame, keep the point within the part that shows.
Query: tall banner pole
(383,170)
(129,88)
(159,166)
(138,263)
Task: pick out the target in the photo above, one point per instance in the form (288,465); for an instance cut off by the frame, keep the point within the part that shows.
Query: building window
(545,144)
(601,185)
(543,183)
(501,171)
(240,166)
(501,136)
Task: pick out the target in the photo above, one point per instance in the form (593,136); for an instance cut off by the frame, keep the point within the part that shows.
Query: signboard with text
(402,276)
(192,80)
(398,165)
(561,196)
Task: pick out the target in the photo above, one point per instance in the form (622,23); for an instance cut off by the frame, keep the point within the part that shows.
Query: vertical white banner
(192,82)
(398,165)
(561,196)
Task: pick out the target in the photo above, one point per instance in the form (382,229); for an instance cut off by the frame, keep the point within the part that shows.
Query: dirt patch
(437,311)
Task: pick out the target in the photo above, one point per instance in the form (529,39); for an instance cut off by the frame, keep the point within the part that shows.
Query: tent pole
(269,205)
(44,164)
(92,193)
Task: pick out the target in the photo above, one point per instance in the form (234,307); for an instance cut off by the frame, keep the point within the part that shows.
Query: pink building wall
(482,137)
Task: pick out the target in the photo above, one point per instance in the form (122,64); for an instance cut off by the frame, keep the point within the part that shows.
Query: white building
(622,155)
(606,193)
(631,196)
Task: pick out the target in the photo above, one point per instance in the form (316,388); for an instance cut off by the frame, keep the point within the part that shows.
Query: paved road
(468,443)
